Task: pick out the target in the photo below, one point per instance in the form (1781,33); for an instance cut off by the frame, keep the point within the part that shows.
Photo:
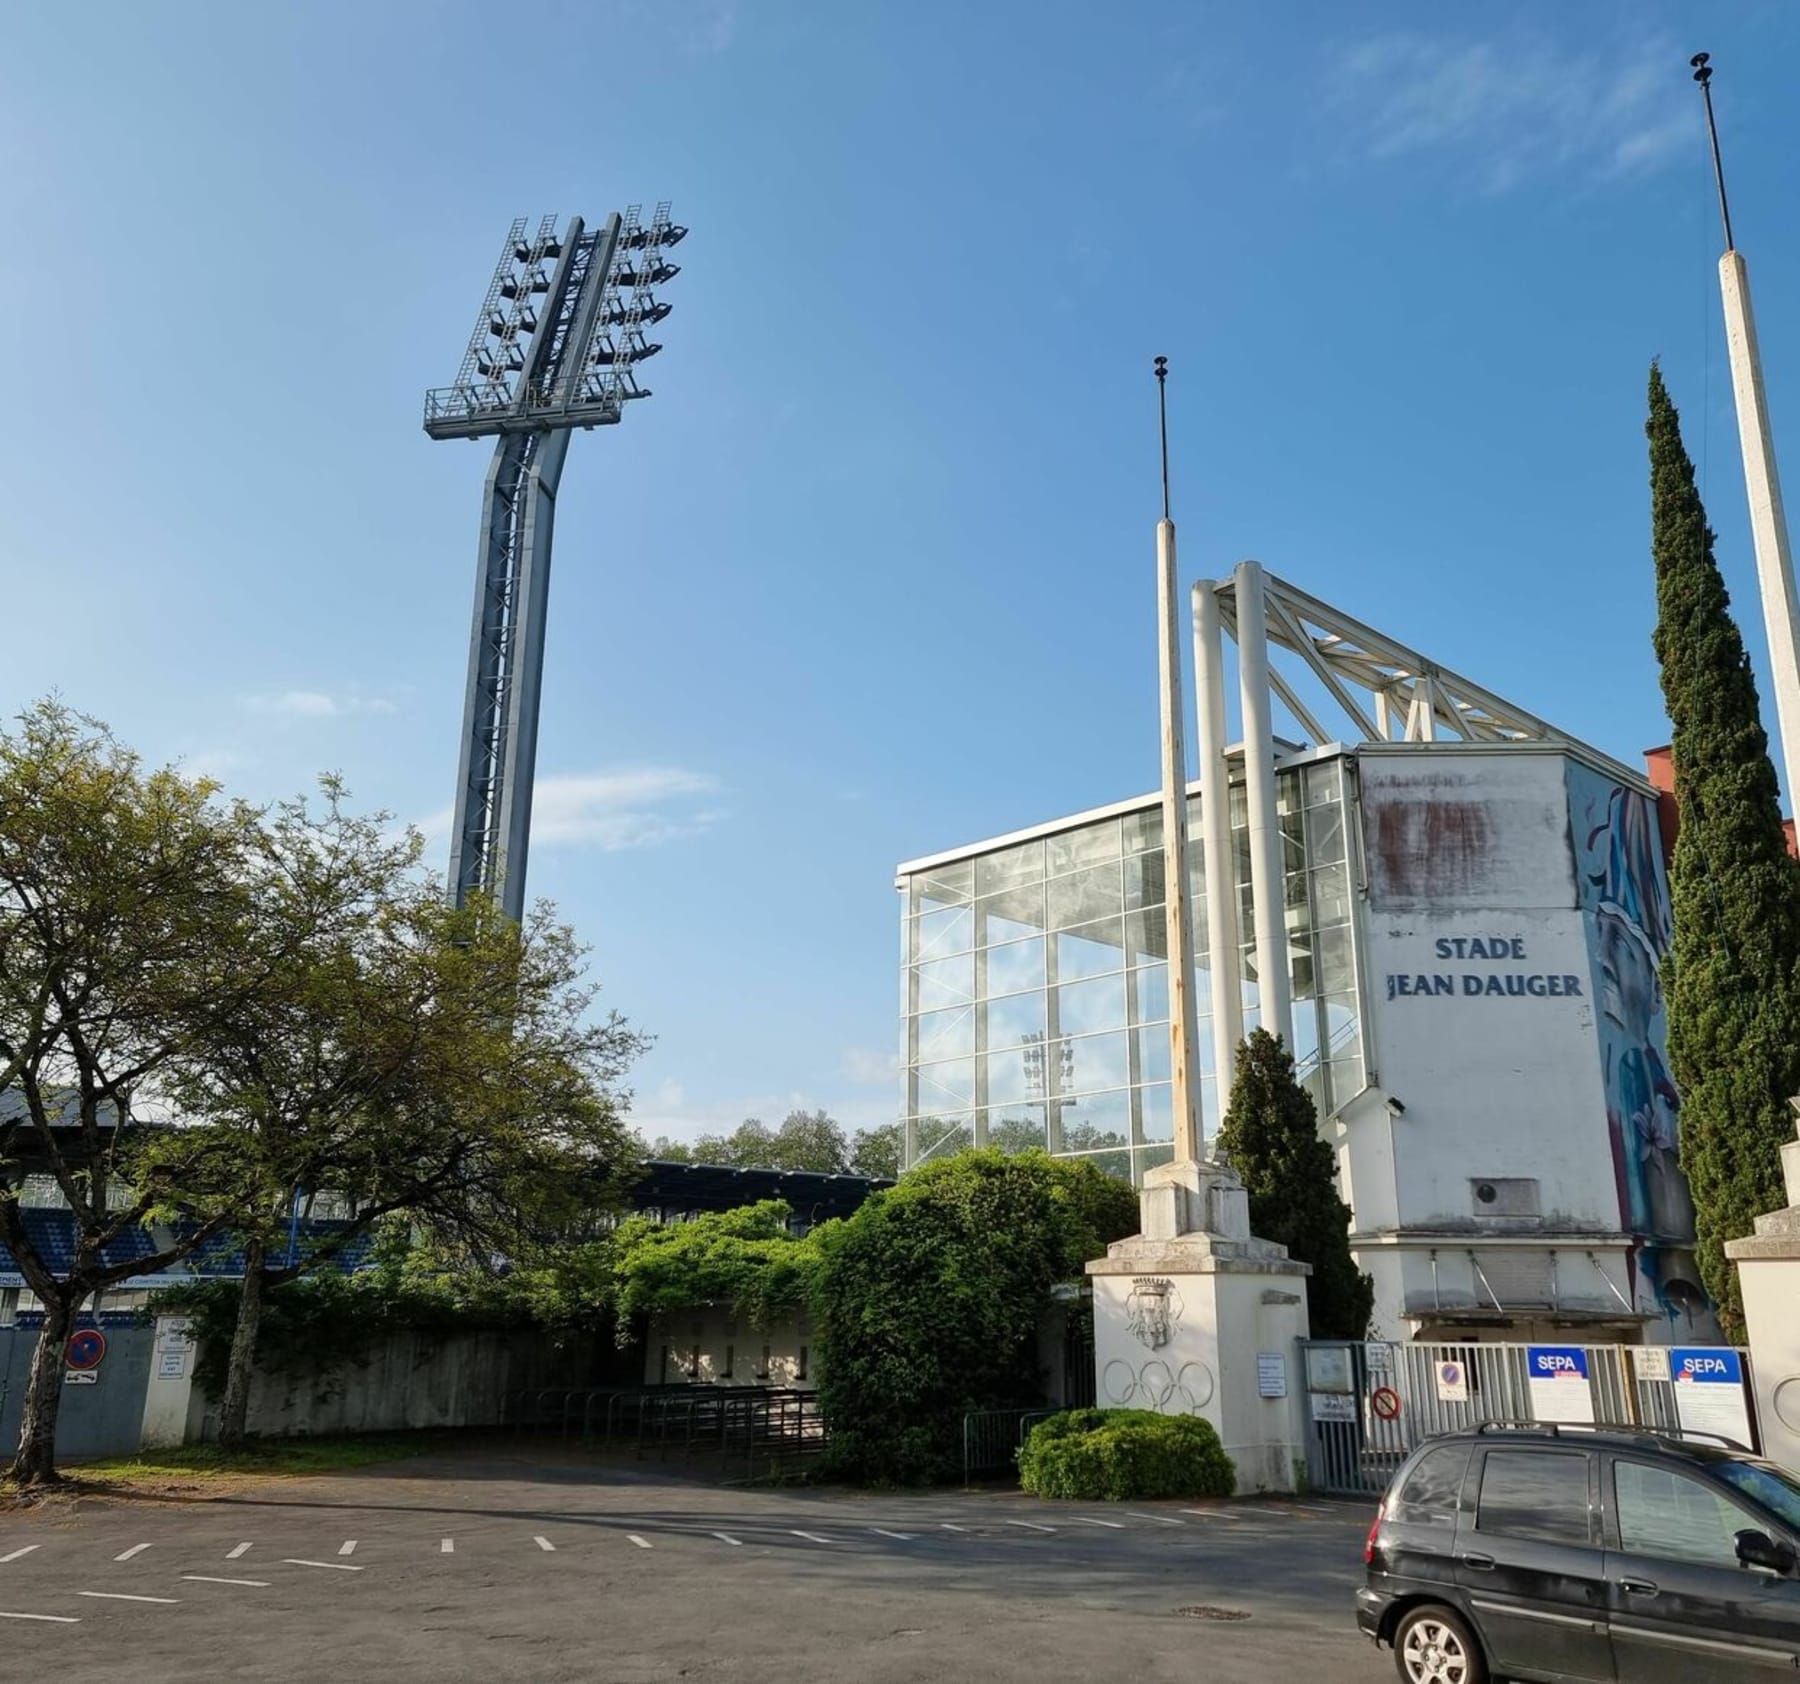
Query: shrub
(929,1299)
(1114,1455)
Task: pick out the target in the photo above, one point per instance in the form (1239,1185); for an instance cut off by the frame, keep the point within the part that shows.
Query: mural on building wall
(1626,912)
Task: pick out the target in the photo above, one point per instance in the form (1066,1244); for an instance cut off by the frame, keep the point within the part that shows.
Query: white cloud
(320,704)
(632,807)
(215,763)
(713,26)
(1506,111)
(669,1110)
(869,1068)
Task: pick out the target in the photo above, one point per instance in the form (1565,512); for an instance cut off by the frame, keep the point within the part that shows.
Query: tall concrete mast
(1762,481)
(1184,1084)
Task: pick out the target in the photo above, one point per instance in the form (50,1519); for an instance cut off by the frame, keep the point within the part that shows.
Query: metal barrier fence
(992,1438)
(756,1430)
(1371,1404)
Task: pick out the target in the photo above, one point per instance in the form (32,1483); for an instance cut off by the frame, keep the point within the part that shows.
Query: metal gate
(103,1416)
(1370,1404)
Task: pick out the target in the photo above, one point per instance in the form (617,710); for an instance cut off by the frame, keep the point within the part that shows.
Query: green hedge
(1115,1455)
(929,1297)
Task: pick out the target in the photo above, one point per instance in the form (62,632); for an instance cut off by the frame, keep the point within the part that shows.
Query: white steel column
(1768,521)
(1183,1066)
(1215,834)
(1268,890)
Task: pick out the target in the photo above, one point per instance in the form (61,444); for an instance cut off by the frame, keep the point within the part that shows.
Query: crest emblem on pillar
(1151,1310)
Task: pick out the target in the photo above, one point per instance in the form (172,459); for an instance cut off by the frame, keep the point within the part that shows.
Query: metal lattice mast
(555,347)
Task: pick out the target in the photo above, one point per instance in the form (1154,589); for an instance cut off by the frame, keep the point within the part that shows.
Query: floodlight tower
(556,347)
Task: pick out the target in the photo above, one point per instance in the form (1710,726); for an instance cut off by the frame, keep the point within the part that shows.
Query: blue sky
(871,575)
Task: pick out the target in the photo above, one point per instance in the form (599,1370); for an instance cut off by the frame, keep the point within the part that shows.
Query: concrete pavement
(526,1565)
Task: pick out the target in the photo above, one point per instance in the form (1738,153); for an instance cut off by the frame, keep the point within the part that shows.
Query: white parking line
(126,1555)
(1031,1526)
(726,1537)
(812,1537)
(1214,1514)
(1089,1520)
(347,1547)
(333,1566)
(904,1537)
(1160,1519)
(951,1526)
(447,1546)
(642,1543)
(543,1543)
(121,1596)
(236,1550)
(208,1579)
(14,1557)
(53,1619)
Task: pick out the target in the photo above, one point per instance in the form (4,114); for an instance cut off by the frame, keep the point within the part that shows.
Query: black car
(1578,1553)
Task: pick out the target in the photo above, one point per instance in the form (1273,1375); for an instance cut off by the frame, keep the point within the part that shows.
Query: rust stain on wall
(1432,852)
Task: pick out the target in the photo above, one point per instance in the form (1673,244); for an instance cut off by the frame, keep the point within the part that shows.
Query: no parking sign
(85,1350)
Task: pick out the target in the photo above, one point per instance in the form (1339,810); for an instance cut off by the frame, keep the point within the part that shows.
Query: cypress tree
(1271,1135)
(1730,980)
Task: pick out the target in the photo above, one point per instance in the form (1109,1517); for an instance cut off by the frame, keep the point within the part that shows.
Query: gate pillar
(1195,1316)
(1768,1266)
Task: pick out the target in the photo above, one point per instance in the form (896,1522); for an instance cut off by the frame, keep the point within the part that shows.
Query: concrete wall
(710,1347)
(1495,1017)
(1497,1085)
(409,1379)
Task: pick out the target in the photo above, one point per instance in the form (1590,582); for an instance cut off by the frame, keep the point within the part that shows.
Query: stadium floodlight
(556,346)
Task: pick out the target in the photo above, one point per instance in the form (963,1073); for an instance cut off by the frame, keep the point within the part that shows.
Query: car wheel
(1433,1646)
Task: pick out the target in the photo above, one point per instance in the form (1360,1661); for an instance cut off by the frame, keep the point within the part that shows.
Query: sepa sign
(1709,1392)
(1558,1382)
(1706,1368)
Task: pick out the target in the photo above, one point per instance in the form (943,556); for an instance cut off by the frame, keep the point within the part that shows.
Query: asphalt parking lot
(495,1565)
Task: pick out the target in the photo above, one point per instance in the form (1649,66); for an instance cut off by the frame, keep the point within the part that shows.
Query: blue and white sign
(1709,1392)
(1558,1380)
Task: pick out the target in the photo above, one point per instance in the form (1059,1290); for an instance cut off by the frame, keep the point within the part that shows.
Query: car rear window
(1429,1492)
(1539,1494)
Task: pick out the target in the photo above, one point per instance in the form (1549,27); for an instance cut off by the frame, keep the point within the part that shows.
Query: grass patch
(261,1458)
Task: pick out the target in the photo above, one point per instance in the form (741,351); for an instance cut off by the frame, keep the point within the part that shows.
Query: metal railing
(751,1431)
(992,1438)
(1395,1402)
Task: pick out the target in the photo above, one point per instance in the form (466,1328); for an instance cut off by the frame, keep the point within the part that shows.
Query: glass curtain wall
(1035,989)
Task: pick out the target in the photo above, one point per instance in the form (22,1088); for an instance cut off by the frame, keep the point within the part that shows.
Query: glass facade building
(1035,988)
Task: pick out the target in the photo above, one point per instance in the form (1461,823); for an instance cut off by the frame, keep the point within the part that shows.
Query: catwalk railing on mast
(556,346)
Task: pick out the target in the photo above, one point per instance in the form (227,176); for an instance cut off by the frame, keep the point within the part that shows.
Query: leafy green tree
(877,1151)
(1271,1136)
(929,1297)
(124,919)
(412,1058)
(747,1259)
(806,1140)
(1731,977)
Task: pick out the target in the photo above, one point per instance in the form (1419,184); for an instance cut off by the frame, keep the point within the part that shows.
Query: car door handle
(1638,1587)
(1483,1563)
